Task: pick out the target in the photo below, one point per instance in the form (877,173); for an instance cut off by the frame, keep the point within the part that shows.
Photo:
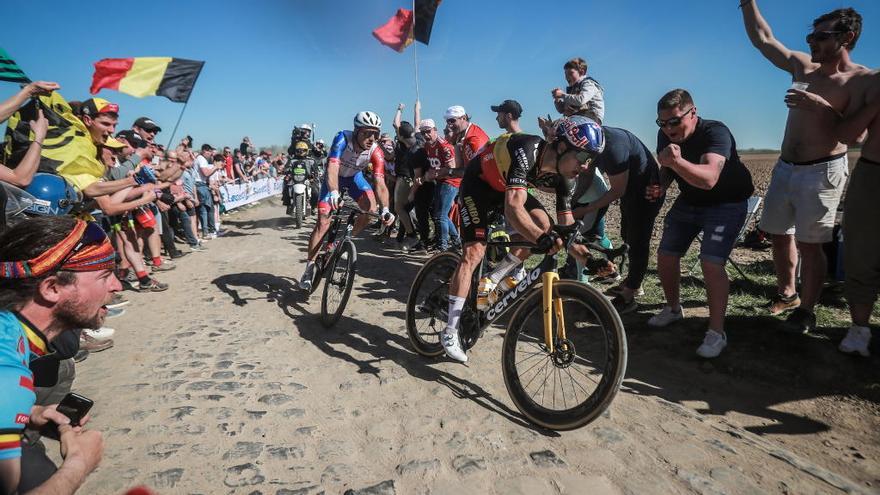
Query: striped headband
(85,249)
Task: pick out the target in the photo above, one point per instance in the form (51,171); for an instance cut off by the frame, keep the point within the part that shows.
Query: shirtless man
(808,179)
(860,227)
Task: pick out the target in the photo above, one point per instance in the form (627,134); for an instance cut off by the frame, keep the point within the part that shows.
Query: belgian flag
(173,78)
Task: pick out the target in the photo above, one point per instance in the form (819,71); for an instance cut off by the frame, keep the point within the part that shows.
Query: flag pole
(171,140)
(415,51)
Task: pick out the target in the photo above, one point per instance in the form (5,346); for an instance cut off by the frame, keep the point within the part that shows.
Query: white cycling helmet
(367,119)
(305,127)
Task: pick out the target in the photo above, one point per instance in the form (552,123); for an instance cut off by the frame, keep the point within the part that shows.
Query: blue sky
(275,63)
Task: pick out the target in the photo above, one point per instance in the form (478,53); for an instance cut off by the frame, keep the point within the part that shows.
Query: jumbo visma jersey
(511,162)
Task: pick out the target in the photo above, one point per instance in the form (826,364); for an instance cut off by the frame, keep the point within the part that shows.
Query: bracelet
(744,2)
(37,142)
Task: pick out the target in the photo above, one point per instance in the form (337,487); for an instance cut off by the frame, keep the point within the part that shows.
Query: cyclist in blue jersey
(350,154)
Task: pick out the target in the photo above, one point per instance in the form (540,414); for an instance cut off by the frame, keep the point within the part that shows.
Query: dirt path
(227,383)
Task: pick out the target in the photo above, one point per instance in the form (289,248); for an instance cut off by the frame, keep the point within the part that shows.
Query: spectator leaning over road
(583,95)
(631,168)
(715,187)
(801,203)
(56,275)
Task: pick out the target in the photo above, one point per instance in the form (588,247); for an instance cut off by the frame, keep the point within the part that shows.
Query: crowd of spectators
(154,205)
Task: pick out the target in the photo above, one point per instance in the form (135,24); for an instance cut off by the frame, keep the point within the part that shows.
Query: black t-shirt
(409,159)
(624,152)
(735,182)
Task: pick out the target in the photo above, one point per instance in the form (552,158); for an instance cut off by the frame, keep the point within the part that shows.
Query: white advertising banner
(235,195)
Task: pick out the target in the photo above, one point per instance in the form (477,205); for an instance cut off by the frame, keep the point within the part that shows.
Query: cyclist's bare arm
(515,213)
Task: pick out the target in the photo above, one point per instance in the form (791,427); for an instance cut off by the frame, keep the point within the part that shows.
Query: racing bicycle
(564,351)
(335,263)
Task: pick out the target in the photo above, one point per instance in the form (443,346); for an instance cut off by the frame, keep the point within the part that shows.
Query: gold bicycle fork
(551,305)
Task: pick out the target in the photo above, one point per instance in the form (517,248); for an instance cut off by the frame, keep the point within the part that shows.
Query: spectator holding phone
(56,276)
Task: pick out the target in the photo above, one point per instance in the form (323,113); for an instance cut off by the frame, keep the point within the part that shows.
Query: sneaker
(305,282)
(623,306)
(410,242)
(485,290)
(164,267)
(152,285)
(801,321)
(178,254)
(102,333)
(80,356)
(618,289)
(452,346)
(607,273)
(92,344)
(117,302)
(856,341)
(665,317)
(417,247)
(198,248)
(780,303)
(712,345)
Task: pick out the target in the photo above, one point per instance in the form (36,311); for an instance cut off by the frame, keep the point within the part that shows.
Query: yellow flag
(68,149)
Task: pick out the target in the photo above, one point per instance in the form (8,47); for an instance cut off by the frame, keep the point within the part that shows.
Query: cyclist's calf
(472,256)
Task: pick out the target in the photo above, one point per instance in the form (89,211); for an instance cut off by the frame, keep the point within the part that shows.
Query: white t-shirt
(200,162)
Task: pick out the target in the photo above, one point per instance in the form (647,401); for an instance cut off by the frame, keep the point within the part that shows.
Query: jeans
(205,208)
(444,195)
(423,198)
(191,238)
(720,225)
(636,226)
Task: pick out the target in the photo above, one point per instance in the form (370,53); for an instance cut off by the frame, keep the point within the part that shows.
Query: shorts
(720,225)
(356,185)
(803,199)
(477,202)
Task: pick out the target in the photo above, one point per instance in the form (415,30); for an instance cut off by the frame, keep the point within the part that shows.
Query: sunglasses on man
(92,235)
(674,121)
(819,36)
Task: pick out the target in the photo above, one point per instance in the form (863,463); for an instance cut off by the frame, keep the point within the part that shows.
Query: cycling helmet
(306,127)
(301,149)
(581,133)
(54,195)
(367,119)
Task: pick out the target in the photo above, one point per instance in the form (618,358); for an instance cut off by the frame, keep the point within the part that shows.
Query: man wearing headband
(56,275)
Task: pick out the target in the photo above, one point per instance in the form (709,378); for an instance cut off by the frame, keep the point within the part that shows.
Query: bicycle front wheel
(338,282)
(571,386)
(428,303)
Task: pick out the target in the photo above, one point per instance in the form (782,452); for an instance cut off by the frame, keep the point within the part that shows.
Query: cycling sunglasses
(819,36)
(674,121)
(92,236)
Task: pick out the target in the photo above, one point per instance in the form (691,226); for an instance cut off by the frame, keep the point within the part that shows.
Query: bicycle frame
(546,272)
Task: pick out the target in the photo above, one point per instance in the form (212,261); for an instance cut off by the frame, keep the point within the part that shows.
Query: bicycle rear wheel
(428,302)
(572,386)
(338,283)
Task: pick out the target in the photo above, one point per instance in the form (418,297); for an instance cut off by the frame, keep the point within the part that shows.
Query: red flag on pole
(397,33)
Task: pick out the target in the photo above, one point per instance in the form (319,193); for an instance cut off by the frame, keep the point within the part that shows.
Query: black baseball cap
(133,138)
(509,106)
(207,147)
(147,124)
(406,130)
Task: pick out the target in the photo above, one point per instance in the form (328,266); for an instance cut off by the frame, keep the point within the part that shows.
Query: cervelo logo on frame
(521,287)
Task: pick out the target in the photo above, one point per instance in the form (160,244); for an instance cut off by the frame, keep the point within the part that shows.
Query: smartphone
(75,407)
